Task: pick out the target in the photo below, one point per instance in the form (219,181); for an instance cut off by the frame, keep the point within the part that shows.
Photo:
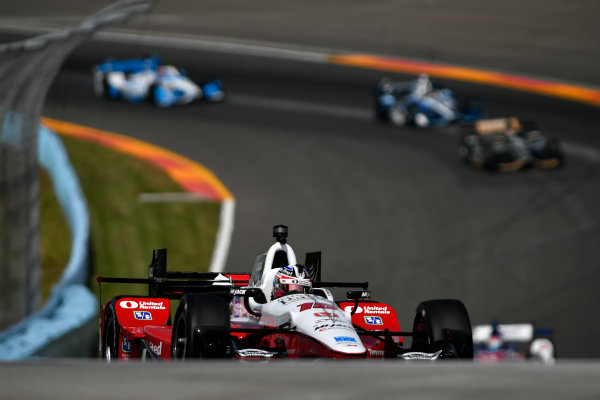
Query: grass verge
(124,231)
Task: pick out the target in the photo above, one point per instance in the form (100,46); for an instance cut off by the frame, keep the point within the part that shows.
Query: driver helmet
(495,341)
(291,279)
(386,85)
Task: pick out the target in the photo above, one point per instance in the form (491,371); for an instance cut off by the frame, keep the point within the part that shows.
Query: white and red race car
(237,315)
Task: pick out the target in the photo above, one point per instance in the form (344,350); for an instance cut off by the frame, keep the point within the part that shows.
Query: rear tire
(443,325)
(153,95)
(201,327)
(554,150)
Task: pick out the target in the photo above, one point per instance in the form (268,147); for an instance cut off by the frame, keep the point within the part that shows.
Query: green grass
(55,243)
(124,231)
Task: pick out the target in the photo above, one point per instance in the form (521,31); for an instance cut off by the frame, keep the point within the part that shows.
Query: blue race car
(143,79)
(420,103)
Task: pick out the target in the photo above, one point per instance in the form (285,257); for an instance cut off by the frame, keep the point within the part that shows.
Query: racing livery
(281,309)
(421,103)
(509,144)
(146,79)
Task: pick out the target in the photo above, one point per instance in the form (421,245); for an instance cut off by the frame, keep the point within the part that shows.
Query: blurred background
(297,143)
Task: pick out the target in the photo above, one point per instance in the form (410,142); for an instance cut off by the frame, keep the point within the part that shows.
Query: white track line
(226,223)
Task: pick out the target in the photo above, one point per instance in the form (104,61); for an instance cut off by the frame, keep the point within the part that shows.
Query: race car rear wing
(173,284)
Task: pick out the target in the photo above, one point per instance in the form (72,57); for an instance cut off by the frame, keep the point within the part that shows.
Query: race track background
(296,144)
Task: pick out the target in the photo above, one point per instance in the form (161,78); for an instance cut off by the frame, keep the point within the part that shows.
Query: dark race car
(509,144)
(281,310)
(421,103)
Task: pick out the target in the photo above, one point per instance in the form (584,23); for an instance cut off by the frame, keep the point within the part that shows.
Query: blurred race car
(421,103)
(281,310)
(142,79)
(512,342)
(509,144)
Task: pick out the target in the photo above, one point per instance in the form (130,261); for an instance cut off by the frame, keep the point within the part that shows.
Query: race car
(146,79)
(281,309)
(421,103)
(509,144)
(512,342)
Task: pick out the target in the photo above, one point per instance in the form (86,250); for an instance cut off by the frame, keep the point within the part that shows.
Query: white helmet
(291,279)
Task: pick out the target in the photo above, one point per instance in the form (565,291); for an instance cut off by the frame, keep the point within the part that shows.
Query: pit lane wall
(27,68)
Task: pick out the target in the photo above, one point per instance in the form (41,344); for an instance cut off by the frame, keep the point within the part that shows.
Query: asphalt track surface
(296,144)
(74,379)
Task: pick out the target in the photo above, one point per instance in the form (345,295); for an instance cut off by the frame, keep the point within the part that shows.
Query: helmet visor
(296,288)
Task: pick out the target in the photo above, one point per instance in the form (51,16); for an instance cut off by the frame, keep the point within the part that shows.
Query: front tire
(397,116)
(110,337)
(443,325)
(201,327)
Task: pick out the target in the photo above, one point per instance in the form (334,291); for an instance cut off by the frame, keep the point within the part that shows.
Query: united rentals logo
(128,304)
(368,309)
(152,305)
(142,305)
(156,348)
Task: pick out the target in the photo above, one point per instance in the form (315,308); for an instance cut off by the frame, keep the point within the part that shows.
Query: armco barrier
(71,304)
(27,68)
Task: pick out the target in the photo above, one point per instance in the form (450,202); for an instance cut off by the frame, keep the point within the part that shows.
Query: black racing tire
(110,334)
(151,96)
(106,88)
(201,327)
(411,110)
(490,160)
(381,113)
(443,325)
(554,148)
(464,153)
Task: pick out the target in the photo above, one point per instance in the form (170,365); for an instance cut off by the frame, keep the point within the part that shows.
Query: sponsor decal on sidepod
(128,304)
(369,309)
(370,320)
(156,349)
(143,305)
(143,315)
(126,347)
